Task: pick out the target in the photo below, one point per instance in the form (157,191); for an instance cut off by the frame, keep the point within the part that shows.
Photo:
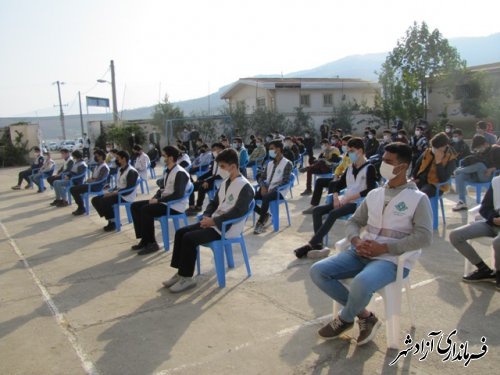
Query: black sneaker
(141,245)
(110,227)
(334,329)
(368,328)
(79,211)
(301,252)
(193,211)
(306,192)
(265,220)
(149,248)
(55,202)
(482,274)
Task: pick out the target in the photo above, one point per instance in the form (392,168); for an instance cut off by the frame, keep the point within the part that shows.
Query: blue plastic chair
(202,169)
(274,206)
(90,168)
(152,171)
(329,200)
(480,185)
(86,196)
(224,246)
(176,218)
(143,183)
(257,166)
(301,159)
(116,207)
(211,193)
(326,175)
(45,175)
(436,201)
(72,183)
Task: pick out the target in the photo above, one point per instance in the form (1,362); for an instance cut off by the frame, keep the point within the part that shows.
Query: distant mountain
(475,50)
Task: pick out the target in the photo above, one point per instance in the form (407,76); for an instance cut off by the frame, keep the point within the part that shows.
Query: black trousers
(429,189)
(24,175)
(266,199)
(104,205)
(321,183)
(187,239)
(202,192)
(78,190)
(143,214)
(51,179)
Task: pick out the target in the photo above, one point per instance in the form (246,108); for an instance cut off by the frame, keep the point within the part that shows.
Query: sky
(189,48)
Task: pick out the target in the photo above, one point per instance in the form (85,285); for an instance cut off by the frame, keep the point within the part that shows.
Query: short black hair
(387,131)
(65,150)
(172,151)
(482,125)
(288,138)
(137,147)
(457,131)
(448,125)
(218,145)
(356,143)
(36,148)
(77,154)
(419,127)
(114,150)
(238,139)
(124,155)
(277,143)
(346,138)
(402,131)
(440,140)
(325,141)
(101,153)
(373,131)
(228,156)
(402,150)
(478,140)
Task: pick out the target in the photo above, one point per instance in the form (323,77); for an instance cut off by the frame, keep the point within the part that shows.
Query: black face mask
(96,160)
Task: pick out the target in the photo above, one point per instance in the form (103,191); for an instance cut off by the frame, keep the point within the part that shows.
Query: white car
(69,145)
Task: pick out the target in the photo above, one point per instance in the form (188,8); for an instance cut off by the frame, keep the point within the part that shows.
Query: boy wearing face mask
(205,182)
(259,152)
(398,219)
(25,174)
(100,172)
(153,154)
(176,183)
(461,148)
(478,167)
(328,157)
(418,143)
(309,144)
(231,202)
(481,128)
(372,144)
(203,159)
(276,173)
(359,179)
(291,151)
(141,162)
(242,154)
(435,166)
(448,129)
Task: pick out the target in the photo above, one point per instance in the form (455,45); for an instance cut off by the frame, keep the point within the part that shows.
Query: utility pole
(113,89)
(61,114)
(81,115)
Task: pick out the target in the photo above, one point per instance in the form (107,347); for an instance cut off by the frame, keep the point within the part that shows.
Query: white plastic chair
(392,295)
(473,216)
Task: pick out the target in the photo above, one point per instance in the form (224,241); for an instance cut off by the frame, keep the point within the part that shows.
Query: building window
(261,102)
(305,100)
(327,100)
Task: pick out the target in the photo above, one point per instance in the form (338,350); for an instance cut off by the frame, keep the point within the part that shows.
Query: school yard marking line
(61,320)
(278,334)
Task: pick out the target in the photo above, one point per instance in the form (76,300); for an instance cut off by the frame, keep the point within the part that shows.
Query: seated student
(251,145)
(490,227)
(47,166)
(309,143)
(299,141)
(203,159)
(330,182)
(231,202)
(101,171)
(242,154)
(65,168)
(127,178)
(359,179)
(481,129)
(259,152)
(205,182)
(398,219)
(372,143)
(329,156)
(176,182)
(141,162)
(26,174)
(111,161)
(478,167)
(153,154)
(291,150)
(79,167)
(403,136)
(436,165)
(419,144)
(462,149)
(276,173)
(184,161)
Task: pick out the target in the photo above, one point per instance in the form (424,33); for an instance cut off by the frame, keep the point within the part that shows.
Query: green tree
(418,58)
(164,111)
(13,153)
(344,117)
(302,122)
(239,119)
(264,120)
(122,135)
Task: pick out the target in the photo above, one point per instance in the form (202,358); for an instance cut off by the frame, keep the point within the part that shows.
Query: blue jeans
(368,276)
(60,188)
(472,173)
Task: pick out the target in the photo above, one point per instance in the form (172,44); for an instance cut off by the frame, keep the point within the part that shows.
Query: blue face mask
(344,149)
(272,154)
(353,156)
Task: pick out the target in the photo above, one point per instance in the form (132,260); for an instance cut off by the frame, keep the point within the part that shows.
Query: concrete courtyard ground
(76,300)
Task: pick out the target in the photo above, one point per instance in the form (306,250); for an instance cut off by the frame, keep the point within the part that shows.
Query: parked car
(53,146)
(70,145)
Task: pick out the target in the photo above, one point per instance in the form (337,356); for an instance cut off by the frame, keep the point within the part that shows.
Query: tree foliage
(122,135)
(164,111)
(13,153)
(418,58)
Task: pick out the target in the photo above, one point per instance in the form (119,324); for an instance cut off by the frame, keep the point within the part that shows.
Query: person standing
(86,146)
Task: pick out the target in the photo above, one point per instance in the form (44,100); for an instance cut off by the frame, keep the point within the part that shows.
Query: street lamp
(113,90)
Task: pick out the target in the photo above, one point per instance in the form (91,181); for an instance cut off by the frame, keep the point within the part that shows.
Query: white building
(317,96)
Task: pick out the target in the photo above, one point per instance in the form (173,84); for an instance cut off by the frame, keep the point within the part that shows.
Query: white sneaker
(317,254)
(173,280)
(183,284)
(460,206)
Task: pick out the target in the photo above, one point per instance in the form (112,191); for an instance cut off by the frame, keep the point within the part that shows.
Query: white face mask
(370,136)
(386,138)
(417,133)
(387,171)
(214,154)
(224,174)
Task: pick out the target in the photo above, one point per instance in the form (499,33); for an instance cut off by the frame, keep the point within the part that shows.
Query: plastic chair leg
(478,194)
(442,211)
(392,294)
(129,213)
(245,256)
(435,213)
(409,299)
(118,223)
(275,212)
(164,233)
(287,213)
(198,260)
(86,202)
(229,255)
(219,263)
